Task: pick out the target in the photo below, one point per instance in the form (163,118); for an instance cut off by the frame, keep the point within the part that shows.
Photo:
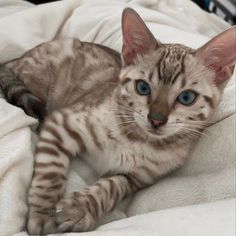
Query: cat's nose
(157,119)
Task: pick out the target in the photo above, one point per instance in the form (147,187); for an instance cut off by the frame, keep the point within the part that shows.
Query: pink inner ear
(137,38)
(219,54)
(128,54)
(223,74)
(220,51)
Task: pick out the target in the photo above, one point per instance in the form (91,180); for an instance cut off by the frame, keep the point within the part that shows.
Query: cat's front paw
(40,222)
(75,213)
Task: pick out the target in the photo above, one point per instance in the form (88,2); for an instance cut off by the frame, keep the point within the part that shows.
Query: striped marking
(53,132)
(93,135)
(125,81)
(74,135)
(176,76)
(50,176)
(43,196)
(50,164)
(55,187)
(209,100)
(94,202)
(47,150)
(150,76)
(183,82)
(134,182)
(58,145)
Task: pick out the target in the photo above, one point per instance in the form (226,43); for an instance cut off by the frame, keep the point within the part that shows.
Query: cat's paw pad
(40,224)
(75,214)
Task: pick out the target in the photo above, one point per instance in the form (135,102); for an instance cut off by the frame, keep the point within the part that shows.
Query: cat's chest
(127,157)
(108,150)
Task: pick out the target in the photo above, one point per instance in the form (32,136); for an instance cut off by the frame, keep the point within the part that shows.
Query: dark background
(199,2)
(41,1)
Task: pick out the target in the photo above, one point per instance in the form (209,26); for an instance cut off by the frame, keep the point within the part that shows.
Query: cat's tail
(17,94)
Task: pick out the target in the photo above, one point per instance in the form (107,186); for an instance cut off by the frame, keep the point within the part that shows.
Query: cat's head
(169,89)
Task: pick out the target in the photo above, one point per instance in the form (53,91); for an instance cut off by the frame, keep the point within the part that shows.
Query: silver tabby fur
(94,111)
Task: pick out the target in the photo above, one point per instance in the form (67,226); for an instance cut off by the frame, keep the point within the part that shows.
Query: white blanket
(209,174)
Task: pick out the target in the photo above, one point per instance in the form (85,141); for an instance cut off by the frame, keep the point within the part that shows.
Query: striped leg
(81,210)
(58,143)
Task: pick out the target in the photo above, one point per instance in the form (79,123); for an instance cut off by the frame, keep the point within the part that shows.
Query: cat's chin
(157,134)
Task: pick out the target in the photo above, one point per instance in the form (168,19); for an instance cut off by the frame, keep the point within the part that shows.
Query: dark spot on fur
(183,82)
(178,56)
(131,104)
(150,76)
(125,81)
(209,100)
(201,116)
(190,118)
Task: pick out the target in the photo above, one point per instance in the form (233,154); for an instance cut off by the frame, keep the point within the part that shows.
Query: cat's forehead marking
(171,64)
(150,76)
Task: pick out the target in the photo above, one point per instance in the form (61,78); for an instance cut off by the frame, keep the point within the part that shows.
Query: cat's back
(59,72)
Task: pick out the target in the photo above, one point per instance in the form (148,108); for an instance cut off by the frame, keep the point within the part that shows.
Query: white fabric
(209,174)
(15,166)
(211,219)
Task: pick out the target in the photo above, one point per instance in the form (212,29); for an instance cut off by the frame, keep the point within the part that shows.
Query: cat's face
(170,89)
(167,92)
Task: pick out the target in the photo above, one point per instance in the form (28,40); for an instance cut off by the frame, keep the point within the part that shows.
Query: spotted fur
(95,111)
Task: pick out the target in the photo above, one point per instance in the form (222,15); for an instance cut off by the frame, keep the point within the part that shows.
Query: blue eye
(142,88)
(187,97)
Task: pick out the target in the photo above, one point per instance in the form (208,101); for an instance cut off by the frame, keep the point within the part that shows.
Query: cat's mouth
(157,133)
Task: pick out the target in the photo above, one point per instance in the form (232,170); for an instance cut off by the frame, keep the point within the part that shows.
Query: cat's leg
(57,144)
(80,211)
(17,94)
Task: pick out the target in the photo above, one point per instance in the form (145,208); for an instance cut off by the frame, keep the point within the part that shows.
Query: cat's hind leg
(17,94)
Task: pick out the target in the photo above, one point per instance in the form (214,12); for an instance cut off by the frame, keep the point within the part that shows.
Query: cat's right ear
(137,38)
(219,54)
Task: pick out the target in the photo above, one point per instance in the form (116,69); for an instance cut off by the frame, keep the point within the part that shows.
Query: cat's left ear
(137,38)
(219,54)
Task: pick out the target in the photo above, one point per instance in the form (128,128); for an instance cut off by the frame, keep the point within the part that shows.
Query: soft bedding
(209,175)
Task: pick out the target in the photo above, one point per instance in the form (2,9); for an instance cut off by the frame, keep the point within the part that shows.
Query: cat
(132,117)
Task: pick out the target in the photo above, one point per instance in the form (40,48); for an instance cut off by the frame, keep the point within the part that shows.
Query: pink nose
(156,122)
(157,119)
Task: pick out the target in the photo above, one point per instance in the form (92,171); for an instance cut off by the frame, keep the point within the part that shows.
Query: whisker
(114,83)
(184,128)
(123,116)
(126,122)
(119,125)
(201,127)
(195,131)
(126,108)
(120,110)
